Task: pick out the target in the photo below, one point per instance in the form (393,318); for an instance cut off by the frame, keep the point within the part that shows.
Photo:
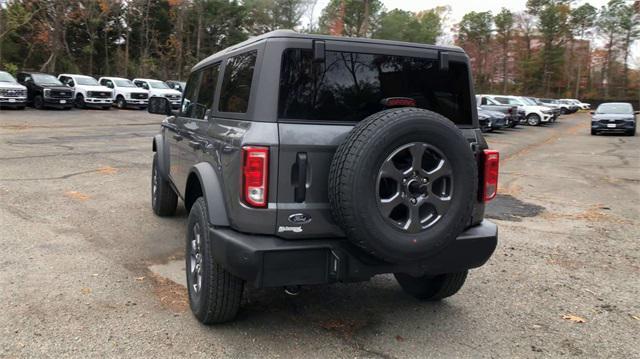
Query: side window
(206,92)
(236,85)
(189,99)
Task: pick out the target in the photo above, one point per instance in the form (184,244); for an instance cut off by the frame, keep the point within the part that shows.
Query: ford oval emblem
(299,218)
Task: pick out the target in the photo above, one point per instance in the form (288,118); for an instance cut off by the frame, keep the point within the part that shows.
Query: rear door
(319,103)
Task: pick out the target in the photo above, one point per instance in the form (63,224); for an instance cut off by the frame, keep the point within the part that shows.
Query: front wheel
(121,103)
(80,101)
(631,132)
(432,287)
(163,199)
(593,132)
(214,293)
(38,102)
(533,120)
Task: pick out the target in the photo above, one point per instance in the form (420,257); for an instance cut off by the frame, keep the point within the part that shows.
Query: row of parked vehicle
(42,90)
(500,111)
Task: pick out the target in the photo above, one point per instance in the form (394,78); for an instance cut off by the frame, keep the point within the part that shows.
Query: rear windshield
(350,86)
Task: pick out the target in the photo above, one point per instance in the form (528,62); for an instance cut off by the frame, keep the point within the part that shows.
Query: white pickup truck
(158,88)
(87,91)
(125,93)
(12,94)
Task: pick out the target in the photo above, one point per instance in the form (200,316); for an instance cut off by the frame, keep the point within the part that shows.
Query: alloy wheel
(195,260)
(414,187)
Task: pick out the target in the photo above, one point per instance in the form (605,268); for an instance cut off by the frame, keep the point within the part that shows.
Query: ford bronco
(307,159)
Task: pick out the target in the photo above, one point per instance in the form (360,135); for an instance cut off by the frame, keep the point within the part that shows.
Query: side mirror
(592,112)
(637,112)
(159,106)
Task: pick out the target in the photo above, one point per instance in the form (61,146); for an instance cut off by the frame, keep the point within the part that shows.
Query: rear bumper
(266,261)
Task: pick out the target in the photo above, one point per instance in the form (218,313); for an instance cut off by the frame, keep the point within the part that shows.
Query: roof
(279,34)
(77,75)
(113,78)
(139,79)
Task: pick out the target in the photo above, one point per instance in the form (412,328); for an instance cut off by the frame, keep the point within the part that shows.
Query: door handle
(177,138)
(195,145)
(299,177)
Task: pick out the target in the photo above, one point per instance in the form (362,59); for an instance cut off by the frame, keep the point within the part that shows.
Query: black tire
(20,108)
(106,107)
(593,132)
(432,287)
(164,200)
(80,101)
(121,103)
(38,102)
(533,120)
(564,110)
(631,132)
(353,187)
(218,297)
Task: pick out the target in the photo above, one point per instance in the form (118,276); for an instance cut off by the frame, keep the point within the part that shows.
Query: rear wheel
(533,120)
(163,199)
(214,293)
(432,287)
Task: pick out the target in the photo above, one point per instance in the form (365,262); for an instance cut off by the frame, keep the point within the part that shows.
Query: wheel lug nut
(424,180)
(414,201)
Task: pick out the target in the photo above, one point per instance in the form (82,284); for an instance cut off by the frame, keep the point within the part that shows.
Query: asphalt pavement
(86,268)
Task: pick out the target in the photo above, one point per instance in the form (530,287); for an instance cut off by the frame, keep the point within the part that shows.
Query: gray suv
(306,159)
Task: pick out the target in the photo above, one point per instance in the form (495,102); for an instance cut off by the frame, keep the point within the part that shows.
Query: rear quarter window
(236,84)
(350,86)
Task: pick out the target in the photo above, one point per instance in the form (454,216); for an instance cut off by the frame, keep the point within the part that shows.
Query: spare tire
(403,184)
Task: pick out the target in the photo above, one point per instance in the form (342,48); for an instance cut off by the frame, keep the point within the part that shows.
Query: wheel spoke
(440,204)
(442,170)
(388,205)
(389,170)
(413,225)
(417,151)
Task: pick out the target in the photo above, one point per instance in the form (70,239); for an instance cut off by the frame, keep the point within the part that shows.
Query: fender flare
(163,156)
(212,193)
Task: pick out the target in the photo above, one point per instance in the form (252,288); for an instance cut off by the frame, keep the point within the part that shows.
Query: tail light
(491,160)
(255,174)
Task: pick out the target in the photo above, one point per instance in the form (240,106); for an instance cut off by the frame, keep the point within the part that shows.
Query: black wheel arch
(204,181)
(163,156)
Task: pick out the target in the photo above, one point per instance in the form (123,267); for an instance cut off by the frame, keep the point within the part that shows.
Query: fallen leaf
(574,318)
(86,290)
(399,338)
(139,279)
(77,195)
(107,170)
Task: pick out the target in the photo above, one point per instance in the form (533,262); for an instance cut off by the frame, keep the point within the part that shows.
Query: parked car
(510,112)
(125,93)
(286,186)
(580,104)
(44,90)
(12,94)
(484,122)
(497,120)
(534,114)
(614,117)
(554,104)
(573,108)
(88,92)
(158,88)
(176,85)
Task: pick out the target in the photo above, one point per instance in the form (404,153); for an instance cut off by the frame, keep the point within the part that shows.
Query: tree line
(550,49)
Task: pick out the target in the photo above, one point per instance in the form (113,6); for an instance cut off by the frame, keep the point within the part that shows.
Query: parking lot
(78,237)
